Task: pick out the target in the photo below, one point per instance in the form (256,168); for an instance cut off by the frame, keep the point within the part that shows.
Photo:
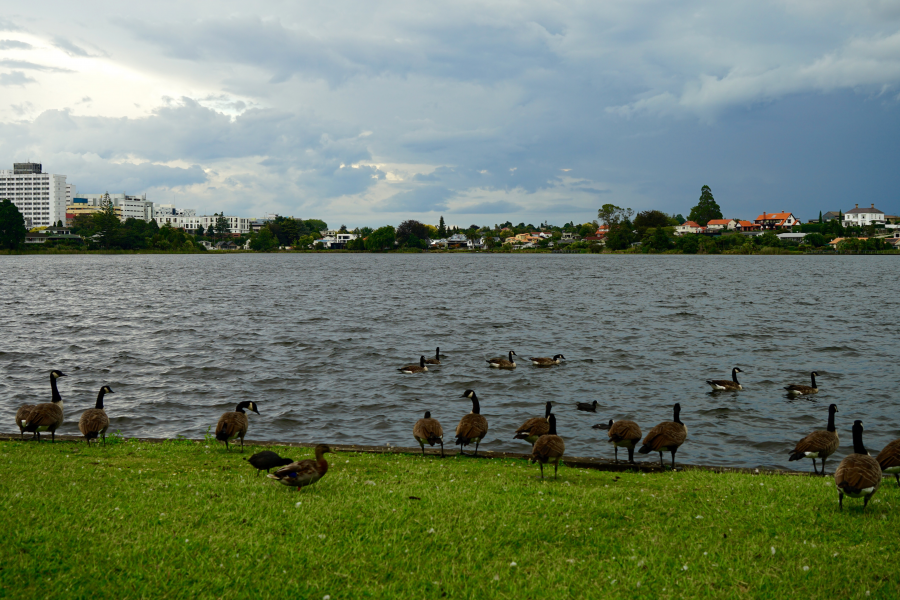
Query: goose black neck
(831,420)
(812,377)
(553,425)
(55,392)
(547,411)
(100,395)
(858,447)
(677,411)
(510,357)
(437,352)
(734,375)
(239,408)
(476,408)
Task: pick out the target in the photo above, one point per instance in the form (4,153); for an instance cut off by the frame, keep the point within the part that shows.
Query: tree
(658,241)
(610,214)
(222,225)
(381,239)
(343,229)
(12,226)
(706,209)
(316,226)
(411,228)
(680,218)
(817,240)
(820,216)
(264,241)
(199,230)
(107,224)
(588,229)
(650,218)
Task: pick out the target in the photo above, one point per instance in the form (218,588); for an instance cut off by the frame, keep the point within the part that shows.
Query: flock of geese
(858,475)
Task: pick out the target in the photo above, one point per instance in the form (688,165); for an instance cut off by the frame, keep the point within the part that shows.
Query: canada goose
(419,368)
(437,357)
(535,427)
(35,418)
(502,363)
(429,431)
(819,444)
(547,362)
(625,434)
(94,422)
(889,459)
(858,475)
(472,427)
(587,406)
(723,385)
(303,473)
(667,436)
(803,390)
(549,448)
(265,460)
(234,424)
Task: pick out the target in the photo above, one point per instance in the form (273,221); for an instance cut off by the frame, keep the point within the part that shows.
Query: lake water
(316,341)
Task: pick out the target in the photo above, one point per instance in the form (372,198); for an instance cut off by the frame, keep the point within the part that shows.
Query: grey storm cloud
(421,200)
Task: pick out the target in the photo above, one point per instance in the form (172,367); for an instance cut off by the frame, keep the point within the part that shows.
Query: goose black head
(552,420)
(107,390)
(547,408)
(247,404)
(677,410)
(559,356)
(737,370)
(512,353)
(815,373)
(427,414)
(833,409)
(57,374)
(468,394)
(421,361)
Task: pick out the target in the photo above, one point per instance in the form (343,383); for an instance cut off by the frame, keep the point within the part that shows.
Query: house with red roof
(748,226)
(722,224)
(782,220)
(689,227)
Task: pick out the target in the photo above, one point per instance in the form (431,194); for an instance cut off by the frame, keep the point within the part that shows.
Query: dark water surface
(316,340)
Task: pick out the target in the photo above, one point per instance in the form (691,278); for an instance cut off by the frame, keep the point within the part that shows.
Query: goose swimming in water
(723,385)
(803,390)
(503,363)
(543,361)
(419,368)
(437,357)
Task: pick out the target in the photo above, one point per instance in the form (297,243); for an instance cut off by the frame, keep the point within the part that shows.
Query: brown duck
(234,424)
(668,436)
(35,418)
(472,427)
(94,422)
(858,475)
(819,444)
(625,434)
(535,427)
(549,448)
(429,431)
(303,473)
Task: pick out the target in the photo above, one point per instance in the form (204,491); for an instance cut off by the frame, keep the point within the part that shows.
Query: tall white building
(238,225)
(39,196)
(170,210)
(71,192)
(133,207)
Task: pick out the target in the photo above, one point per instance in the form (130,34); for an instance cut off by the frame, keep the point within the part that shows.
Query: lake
(316,340)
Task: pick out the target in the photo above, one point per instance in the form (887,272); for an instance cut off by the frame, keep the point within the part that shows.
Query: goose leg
(555,469)
(53,436)
(242,445)
(442,452)
(541,465)
(674,450)
(476,448)
(617,453)
(661,464)
(823,466)
(423,449)
(631,454)
(841,500)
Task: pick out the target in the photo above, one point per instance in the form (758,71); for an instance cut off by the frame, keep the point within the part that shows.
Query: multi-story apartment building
(170,210)
(39,196)
(129,207)
(236,225)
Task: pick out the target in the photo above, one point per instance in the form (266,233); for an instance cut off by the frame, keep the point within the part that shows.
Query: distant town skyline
(373,113)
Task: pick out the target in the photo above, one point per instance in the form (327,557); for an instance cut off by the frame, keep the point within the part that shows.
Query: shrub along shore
(186,518)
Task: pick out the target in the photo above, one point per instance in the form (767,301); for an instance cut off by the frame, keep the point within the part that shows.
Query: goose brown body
(437,357)
(543,361)
(429,431)
(724,385)
(303,473)
(234,424)
(535,427)
(624,434)
(473,426)
(889,459)
(668,436)
(419,368)
(549,448)
(35,418)
(859,475)
(94,422)
(503,363)
(804,390)
(819,444)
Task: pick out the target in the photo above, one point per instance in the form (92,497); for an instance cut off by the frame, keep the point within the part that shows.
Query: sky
(370,113)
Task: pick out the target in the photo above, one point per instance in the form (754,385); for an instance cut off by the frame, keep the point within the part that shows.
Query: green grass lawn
(186,519)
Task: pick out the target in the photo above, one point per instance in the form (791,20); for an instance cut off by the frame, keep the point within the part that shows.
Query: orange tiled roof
(689,224)
(719,222)
(774,216)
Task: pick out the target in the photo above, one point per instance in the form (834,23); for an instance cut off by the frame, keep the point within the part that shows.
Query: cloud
(7,25)
(70,48)
(14,45)
(15,78)
(497,207)
(420,200)
(30,66)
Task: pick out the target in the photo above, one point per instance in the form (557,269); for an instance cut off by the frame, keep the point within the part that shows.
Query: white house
(782,220)
(688,227)
(338,240)
(720,224)
(860,217)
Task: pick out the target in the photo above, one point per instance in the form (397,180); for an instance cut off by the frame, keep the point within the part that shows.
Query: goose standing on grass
(625,434)
(543,361)
(503,363)
(234,424)
(265,460)
(858,475)
(723,385)
(889,459)
(819,444)
(35,418)
(419,368)
(472,427)
(535,427)
(803,390)
(437,357)
(303,473)
(587,406)
(549,448)
(666,437)
(429,431)
(94,422)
